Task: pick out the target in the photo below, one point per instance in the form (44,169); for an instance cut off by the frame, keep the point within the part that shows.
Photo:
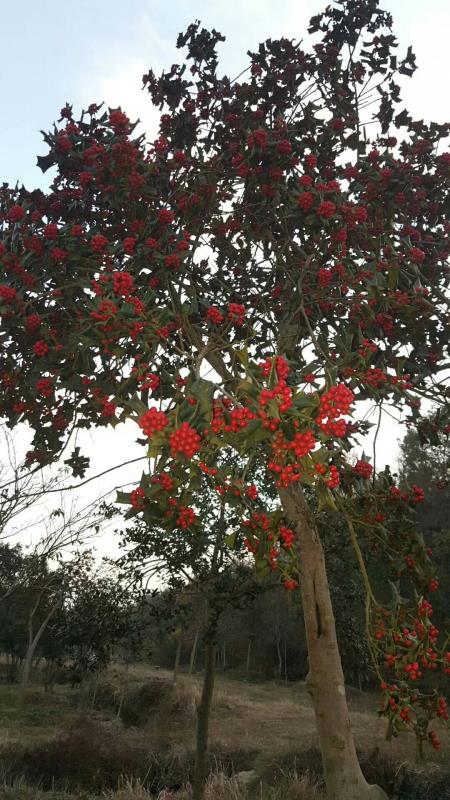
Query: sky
(81,52)
(91,50)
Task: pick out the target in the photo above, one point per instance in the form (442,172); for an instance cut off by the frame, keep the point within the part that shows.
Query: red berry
(363,468)
(184,440)
(152,421)
(40,348)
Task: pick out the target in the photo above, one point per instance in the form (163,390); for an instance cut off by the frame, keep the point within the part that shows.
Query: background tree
(425,461)
(95,618)
(206,575)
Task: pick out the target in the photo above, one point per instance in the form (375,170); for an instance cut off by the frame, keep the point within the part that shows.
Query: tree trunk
(13,670)
(176,666)
(33,643)
(285,662)
(249,652)
(124,690)
(279,667)
(203,711)
(48,675)
(325,681)
(204,707)
(194,652)
(94,692)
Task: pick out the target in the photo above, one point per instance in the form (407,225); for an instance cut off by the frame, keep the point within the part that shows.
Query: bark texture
(176,665)
(194,652)
(249,653)
(33,641)
(325,681)
(203,713)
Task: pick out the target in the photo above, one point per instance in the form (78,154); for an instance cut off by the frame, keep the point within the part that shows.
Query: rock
(246,777)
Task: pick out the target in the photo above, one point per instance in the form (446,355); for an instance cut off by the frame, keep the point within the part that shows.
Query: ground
(264,727)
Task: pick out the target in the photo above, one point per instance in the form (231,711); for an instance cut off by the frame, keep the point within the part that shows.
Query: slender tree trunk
(203,712)
(204,707)
(285,662)
(13,669)
(47,675)
(280,659)
(343,776)
(194,652)
(33,643)
(124,690)
(176,666)
(249,653)
(94,691)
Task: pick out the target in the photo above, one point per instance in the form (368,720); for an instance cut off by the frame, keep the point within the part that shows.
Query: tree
(23,492)
(22,489)
(208,569)
(425,461)
(95,617)
(45,589)
(32,592)
(257,270)
(12,608)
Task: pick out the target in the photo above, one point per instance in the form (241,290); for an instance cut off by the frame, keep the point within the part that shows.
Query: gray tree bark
(33,641)
(325,681)
(203,713)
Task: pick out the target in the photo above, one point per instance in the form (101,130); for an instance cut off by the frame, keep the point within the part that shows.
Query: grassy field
(138,735)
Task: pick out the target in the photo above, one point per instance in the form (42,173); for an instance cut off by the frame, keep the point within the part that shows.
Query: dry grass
(266,727)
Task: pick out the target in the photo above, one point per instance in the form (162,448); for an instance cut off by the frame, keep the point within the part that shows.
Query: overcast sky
(80,52)
(90,50)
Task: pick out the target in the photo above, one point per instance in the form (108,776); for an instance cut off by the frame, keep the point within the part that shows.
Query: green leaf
(156,444)
(123,497)
(230,540)
(203,391)
(261,568)
(136,405)
(242,356)
(45,162)
(248,388)
(392,278)
(325,500)
(78,463)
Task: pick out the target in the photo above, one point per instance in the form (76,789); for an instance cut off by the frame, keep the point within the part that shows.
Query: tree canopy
(256,271)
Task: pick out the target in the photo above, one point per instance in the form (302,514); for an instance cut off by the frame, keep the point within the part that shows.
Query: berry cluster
(99,243)
(336,401)
(7,293)
(122,283)
(184,440)
(214,315)
(137,498)
(239,419)
(186,517)
(40,348)
(280,390)
(326,209)
(363,469)
(303,443)
(305,201)
(236,313)
(334,479)
(44,387)
(287,536)
(152,421)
